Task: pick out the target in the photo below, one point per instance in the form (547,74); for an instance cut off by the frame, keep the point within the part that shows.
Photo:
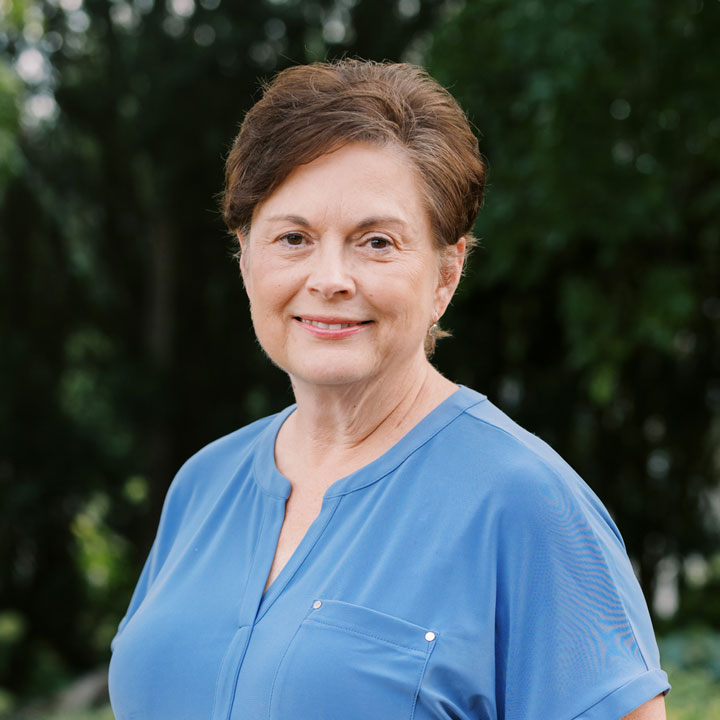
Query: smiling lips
(332,327)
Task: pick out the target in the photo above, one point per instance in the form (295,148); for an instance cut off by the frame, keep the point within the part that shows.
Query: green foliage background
(591,312)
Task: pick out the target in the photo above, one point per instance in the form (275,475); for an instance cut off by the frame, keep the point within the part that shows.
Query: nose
(330,275)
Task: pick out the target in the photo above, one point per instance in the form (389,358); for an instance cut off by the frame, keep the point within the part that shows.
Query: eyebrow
(366,223)
(298,219)
(380,220)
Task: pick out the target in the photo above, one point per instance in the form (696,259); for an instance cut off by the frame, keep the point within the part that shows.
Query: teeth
(327,326)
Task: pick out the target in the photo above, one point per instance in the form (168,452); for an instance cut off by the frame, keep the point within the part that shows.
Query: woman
(392,546)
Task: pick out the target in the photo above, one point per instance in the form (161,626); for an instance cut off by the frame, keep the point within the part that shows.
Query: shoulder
(204,476)
(514,453)
(536,516)
(515,472)
(565,587)
(228,450)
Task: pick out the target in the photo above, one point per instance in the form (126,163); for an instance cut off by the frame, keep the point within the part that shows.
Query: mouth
(332,324)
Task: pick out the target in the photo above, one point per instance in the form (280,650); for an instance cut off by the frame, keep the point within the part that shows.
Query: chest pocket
(351,662)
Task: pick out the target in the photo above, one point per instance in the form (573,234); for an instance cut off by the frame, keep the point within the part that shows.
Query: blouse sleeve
(139,593)
(174,507)
(574,637)
(192,493)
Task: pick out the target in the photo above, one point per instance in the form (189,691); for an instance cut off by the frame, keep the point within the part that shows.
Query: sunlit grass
(695,695)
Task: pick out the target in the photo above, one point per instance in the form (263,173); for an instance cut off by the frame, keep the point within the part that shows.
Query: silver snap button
(429,636)
(317,604)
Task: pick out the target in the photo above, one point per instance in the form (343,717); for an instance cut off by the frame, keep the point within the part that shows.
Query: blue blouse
(466,573)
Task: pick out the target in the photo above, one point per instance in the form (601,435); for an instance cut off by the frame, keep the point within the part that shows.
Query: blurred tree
(125,340)
(595,305)
(10,158)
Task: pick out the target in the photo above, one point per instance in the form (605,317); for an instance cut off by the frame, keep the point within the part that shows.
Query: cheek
(426,291)
(267,287)
(408,300)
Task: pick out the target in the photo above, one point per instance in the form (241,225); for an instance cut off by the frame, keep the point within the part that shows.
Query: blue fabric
(466,573)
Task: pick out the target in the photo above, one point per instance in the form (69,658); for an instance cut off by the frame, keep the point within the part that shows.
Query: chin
(330,374)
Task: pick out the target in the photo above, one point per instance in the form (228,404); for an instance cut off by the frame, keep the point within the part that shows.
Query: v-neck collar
(274,483)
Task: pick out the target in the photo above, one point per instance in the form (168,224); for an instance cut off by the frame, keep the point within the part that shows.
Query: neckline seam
(406,456)
(273,428)
(280,417)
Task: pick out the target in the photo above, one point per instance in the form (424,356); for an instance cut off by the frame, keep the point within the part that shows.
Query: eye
(292,239)
(378,242)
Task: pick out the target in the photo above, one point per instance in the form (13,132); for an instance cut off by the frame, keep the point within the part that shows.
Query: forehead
(357,179)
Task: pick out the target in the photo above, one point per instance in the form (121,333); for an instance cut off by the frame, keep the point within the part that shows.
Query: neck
(338,429)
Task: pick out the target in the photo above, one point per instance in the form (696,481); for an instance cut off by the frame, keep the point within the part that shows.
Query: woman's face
(341,269)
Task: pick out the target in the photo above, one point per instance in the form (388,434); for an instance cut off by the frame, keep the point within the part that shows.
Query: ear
(451,267)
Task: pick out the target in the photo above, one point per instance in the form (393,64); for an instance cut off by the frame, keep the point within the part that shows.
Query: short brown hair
(310,110)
